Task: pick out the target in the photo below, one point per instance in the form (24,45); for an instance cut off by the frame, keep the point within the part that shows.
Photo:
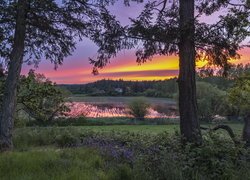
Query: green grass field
(152,128)
(135,128)
(38,156)
(55,164)
(149,129)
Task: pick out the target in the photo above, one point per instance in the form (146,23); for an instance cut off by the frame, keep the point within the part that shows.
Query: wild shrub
(66,140)
(138,108)
(210,100)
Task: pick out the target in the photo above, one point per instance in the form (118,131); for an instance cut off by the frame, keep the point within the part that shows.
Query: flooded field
(117,107)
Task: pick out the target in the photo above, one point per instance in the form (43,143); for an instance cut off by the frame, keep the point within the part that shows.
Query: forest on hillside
(159,88)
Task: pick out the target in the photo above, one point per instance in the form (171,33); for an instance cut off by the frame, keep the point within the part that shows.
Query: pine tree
(173,28)
(32,30)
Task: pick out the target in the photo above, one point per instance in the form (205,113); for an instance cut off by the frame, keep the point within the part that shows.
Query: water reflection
(107,110)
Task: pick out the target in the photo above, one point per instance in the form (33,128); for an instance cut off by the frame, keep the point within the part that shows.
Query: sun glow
(158,63)
(123,67)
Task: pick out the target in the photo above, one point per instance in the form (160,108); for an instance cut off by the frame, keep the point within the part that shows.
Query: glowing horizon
(79,71)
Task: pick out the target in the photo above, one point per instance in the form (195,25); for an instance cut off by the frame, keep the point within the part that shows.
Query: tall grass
(117,154)
(79,163)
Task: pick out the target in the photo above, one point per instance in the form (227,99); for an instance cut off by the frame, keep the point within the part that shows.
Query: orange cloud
(123,67)
(158,63)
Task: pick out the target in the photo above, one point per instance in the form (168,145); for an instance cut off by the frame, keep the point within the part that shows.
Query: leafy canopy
(41,99)
(210,101)
(38,97)
(156,31)
(53,27)
(239,95)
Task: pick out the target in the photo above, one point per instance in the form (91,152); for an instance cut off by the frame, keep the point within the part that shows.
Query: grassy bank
(122,152)
(127,124)
(44,136)
(83,121)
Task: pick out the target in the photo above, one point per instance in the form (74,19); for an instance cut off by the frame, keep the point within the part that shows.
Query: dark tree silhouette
(2,74)
(31,30)
(165,28)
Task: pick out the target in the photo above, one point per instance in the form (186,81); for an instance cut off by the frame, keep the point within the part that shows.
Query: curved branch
(164,6)
(226,128)
(239,5)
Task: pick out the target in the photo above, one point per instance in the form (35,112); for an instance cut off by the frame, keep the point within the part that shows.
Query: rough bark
(189,124)
(246,131)
(10,91)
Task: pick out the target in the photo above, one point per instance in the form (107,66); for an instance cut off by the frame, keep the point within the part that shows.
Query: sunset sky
(77,70)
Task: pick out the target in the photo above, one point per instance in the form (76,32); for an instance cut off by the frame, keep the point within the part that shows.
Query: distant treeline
(162,88)
(125,88)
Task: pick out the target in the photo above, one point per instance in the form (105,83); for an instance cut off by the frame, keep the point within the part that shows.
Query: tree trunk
(246,130)
(189,124)
(10,89)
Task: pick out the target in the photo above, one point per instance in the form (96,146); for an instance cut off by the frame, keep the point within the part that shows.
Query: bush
(66,140)
(36,136)
(139,108)
(151,93)
(211,101)
(20,122)
(40,98)
(217,158)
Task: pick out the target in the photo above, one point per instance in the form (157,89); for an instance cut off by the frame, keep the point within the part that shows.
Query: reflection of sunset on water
(78,109)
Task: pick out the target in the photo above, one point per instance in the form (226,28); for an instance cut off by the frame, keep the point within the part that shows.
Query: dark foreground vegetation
(76,153)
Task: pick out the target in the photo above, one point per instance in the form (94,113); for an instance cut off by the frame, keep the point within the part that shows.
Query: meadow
(51,163)
(150,129)
(120,152)
(121,148)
